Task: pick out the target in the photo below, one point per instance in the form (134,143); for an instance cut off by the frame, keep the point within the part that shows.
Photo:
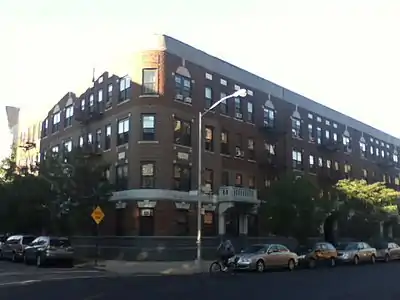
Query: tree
(78,180)
(364,206)
(295,207)
(57,201)
(24,199)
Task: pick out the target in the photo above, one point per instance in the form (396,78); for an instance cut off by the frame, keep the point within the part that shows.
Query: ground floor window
(182,222)
(232,223)
(252,225)
(146,222)
(210,223)
(120,222)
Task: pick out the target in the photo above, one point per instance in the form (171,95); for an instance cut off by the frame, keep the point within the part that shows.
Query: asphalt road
(378,281)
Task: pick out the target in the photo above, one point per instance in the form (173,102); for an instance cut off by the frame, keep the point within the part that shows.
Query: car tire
(356,260)
(260,266)
(26,261)
(312,263)
(332,262)
(291,264)
(70,264)
(373,259)
(39,261)
(215,267)
(387,258)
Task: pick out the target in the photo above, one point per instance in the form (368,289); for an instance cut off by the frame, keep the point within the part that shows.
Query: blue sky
(344,54)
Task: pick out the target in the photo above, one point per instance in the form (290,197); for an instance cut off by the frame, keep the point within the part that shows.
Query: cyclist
(225,252)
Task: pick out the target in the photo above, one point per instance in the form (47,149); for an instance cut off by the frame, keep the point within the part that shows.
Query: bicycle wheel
(215,267)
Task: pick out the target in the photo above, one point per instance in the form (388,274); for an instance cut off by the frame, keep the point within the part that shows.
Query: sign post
(97,216)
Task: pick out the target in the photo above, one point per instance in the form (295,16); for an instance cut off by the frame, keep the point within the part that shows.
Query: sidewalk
(148,267)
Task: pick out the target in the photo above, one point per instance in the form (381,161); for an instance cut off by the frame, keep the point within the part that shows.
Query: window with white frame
(90,138)
(45,128)
(311,162)
(149,82)
(100,95)
(107,137)
(148,127)
(297,159)
(81,141)
(56,122)
(269,117)
(310,133)
(55,149)
(238,108)
(183,87)
(124,88)
(68,146)
(91,101)
(208,95)
(123,131)
(363,148)
(69,113)
(223,106)
(250,113)
(296,127)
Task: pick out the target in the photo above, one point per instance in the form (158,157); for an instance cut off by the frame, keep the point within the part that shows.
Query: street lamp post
(239,93)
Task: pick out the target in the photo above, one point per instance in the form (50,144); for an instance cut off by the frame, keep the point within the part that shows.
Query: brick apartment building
(145,125)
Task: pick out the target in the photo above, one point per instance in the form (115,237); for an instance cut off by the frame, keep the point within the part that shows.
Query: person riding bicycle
(225,252)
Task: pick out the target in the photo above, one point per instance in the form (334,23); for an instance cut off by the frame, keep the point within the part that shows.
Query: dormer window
(296,128)
(363,147)
(395,157)
(346,141)
(56,122)
(183,87)
(269,117)
(296,124)
(124,88)
(269,113)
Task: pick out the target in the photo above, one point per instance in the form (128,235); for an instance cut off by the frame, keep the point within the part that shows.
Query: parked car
(13,248)
(387,251)
(319,253)
(264,256)
(356,252)
(46,249)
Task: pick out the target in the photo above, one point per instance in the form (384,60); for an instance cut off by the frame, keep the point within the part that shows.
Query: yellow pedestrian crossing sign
(98,215)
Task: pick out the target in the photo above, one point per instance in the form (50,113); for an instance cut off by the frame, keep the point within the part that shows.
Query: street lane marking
(94,297)
(19,282)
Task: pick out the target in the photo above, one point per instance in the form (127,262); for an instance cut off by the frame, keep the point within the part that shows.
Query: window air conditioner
(188,100)
(179,97)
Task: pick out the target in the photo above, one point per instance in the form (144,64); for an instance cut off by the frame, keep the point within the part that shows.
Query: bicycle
(217,266)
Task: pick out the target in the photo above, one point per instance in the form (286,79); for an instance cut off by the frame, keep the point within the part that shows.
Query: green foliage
(364,206)
(295,207)
(59,200)
(373,198)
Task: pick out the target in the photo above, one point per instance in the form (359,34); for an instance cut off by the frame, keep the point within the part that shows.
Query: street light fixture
(239,93)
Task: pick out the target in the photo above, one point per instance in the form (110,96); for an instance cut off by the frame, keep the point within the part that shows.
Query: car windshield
(254,248)
(26,240)
(60,243)
(347,246)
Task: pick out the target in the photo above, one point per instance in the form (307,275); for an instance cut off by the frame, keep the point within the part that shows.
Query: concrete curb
(146,268)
